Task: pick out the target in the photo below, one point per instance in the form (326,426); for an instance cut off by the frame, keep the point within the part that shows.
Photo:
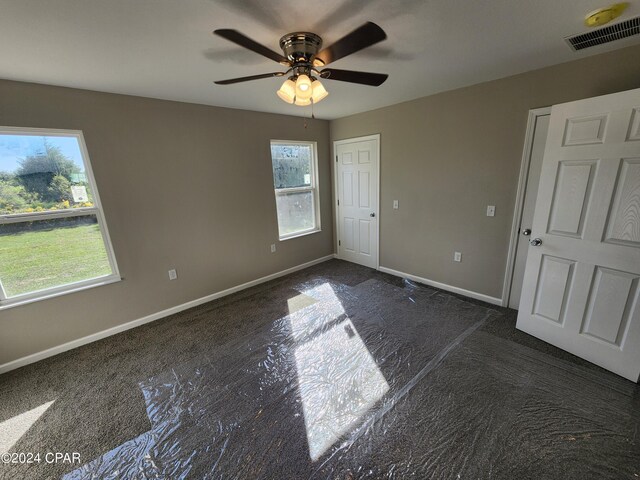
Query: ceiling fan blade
(244,41)
(248,79)
(362,37)
(352,76)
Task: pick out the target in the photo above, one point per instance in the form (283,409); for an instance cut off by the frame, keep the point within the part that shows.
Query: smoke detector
(602,16)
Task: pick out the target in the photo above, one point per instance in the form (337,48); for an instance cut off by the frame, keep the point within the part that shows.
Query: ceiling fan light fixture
(318,92)
(303,102)
(287,91)
(303,87)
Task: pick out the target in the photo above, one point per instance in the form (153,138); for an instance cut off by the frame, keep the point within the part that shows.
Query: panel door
(357,209)
(580,289)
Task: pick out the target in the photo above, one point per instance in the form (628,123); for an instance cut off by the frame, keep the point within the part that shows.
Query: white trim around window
(95,210)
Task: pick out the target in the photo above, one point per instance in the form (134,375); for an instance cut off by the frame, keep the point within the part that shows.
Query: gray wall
(190,187)
(446,157)
(182,186)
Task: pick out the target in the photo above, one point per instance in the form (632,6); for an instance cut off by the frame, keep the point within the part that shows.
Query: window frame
(313,188)
(96,210)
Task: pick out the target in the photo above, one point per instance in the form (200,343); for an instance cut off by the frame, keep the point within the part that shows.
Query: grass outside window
(33,259)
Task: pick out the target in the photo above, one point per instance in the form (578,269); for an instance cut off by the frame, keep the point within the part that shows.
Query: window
(53,238)
(295,179)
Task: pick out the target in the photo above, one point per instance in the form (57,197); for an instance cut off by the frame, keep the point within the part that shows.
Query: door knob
(526,232)
(372,214)
(535,242)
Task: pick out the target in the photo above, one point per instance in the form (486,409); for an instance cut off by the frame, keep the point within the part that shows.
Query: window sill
(300,234)
(57,292)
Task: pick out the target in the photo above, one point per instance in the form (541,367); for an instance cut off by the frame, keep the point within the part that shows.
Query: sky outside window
(14,148)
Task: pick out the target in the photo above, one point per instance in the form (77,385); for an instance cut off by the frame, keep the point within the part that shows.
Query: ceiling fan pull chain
(306,124)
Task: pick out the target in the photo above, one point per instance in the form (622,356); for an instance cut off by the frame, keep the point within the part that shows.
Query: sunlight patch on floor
(299,302)
(338,379)
(14,428)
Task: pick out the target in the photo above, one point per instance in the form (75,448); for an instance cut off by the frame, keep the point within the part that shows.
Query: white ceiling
(165,48)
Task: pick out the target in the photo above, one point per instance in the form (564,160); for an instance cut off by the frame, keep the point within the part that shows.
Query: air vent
(621,30)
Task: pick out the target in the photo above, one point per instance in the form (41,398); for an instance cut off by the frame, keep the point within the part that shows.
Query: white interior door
(580,289)
(541,128)
(357,206)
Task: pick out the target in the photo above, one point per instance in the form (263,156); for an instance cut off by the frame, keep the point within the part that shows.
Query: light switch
(457,256)
(395,204)
(491,210)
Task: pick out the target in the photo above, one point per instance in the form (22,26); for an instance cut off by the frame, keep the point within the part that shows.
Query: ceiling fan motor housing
(301,48)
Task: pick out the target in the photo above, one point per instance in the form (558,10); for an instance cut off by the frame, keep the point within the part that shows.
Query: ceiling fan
(306,61)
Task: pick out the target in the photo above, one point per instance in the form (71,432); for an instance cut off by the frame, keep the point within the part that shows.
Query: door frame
(534,113)
(336,223)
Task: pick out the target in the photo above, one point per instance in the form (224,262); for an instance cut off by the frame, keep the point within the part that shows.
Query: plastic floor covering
(379,381)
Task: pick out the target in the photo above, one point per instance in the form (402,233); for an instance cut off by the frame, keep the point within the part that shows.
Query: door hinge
(338,202)
(338,242)
(336,158)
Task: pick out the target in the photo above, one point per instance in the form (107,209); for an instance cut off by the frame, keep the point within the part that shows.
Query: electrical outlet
(173,274)
(491,210)
(457,257)
(273,248)
(395,204)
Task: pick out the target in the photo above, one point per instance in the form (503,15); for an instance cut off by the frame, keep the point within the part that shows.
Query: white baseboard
(444,286)
(50,352)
